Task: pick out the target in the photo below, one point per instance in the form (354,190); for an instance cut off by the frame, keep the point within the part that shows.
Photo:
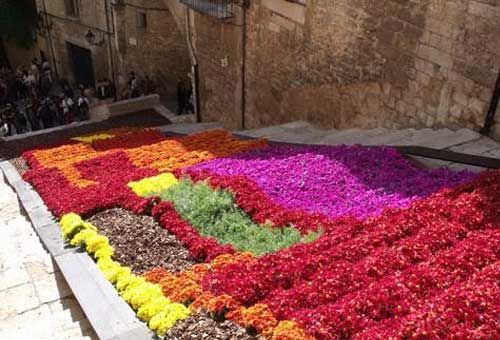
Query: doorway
(81,63)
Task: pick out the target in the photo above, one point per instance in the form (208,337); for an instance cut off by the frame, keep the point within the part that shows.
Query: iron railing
(219,9)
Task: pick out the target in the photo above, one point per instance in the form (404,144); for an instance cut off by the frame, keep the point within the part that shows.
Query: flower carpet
(279,241)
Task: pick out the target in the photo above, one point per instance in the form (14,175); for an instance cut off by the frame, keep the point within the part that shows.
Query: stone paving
(35,301)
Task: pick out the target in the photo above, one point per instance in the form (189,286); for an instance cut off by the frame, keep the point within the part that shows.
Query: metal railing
(220,9)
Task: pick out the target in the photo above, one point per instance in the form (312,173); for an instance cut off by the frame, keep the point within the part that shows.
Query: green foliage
(214,213)
(19,21)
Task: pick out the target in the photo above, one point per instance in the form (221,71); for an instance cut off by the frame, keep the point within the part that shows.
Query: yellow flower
(91,138)
(153,185)
(164,320)
(96,242)
(153,307)
(81,238)
(145,297)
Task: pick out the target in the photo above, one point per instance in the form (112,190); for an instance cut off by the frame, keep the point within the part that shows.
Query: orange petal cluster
(171,154)
(164,156)
(185,287)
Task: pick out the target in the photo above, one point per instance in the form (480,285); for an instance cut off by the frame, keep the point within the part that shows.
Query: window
(142,20)
(220,9)
(72,8)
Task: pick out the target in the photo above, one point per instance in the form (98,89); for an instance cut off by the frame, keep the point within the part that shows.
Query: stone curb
(110,316)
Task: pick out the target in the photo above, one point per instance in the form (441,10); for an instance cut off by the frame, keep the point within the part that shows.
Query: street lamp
(92,39)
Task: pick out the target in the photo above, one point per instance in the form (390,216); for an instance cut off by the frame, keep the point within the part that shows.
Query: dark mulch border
(140,242)
(201,326)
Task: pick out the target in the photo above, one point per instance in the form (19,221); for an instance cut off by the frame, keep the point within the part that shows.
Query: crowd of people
(31,99)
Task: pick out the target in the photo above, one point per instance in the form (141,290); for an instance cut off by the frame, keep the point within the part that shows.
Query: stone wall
(385,63)
(345,63)
(159,50)
(218,52)
(66,29)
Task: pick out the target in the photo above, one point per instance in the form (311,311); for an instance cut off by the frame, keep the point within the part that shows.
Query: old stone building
(89,40)
(151,42)
(344,63)
(66,26)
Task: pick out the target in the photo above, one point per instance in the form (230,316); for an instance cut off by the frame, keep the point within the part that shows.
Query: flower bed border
(110,316)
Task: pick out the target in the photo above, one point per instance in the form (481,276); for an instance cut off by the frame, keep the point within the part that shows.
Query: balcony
(219,9)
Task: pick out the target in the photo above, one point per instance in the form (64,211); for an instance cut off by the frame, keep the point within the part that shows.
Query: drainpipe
(490,116)
(49,38)
(194,64)
(243,64)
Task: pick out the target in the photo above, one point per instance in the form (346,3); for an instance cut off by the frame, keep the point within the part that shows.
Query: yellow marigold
(105,252)
(152,307)
(112,270)
(125,281)
(94,243)
(81,238)
(153,185)
(71,224)
(91,138)
(141,294)
(163,321)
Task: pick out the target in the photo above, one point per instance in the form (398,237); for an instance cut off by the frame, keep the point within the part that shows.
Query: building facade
(343,64)
(90,40)
(339,64)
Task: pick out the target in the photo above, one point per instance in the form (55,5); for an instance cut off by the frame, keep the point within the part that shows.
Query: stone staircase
(462,140)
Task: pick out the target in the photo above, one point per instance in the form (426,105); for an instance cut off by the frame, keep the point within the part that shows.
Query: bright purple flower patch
(339,180)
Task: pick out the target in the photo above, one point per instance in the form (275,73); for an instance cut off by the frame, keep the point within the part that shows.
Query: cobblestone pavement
(35,300)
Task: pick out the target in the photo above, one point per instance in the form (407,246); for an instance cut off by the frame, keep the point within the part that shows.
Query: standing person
(45,85)
(111,89)
(67,107)
(57,111)
(65,87)
(133,84)
(181,96)
(26,84)
(32,114)
(8,116)
(83,107)
(101,89)
(46,114)
(35,70)
(21,122)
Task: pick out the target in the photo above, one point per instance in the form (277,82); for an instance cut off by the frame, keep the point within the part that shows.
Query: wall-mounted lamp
(93,40)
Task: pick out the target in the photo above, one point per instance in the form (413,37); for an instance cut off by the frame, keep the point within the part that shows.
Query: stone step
(440,139)
(337,137)
(189,128)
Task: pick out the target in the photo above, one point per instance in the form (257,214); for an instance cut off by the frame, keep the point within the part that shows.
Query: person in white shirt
(67,107)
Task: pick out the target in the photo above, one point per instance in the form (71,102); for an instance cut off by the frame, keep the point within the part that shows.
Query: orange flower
(164,156)
(155,275)
(258,316)
(289,330)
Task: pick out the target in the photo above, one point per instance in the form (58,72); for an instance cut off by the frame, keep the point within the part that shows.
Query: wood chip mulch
(140,242)
(20,164)
(201,326)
